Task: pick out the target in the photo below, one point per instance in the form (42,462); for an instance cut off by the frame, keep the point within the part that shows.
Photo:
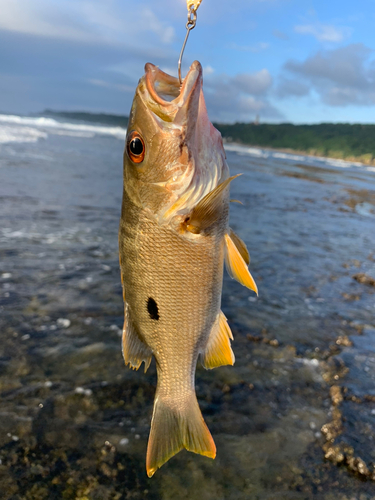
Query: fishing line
(192,6)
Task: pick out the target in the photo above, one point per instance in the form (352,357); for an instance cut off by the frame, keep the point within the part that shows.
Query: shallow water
(74,420)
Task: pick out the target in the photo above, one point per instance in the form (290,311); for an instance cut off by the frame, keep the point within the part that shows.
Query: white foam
(280,155)
(20,134)
(288,156)
(26,129)
(365,209)
(334,162)
(245,150)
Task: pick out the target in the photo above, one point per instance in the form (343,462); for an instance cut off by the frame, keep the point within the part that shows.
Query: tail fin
(174,428)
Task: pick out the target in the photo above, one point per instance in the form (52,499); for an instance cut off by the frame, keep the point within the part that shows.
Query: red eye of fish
(136,147)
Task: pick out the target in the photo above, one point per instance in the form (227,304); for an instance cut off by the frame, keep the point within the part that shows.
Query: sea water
(74,421)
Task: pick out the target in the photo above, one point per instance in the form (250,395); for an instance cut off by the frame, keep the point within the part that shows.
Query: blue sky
(299,61)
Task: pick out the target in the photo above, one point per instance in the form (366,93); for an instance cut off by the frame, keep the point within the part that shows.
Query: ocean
(294,418)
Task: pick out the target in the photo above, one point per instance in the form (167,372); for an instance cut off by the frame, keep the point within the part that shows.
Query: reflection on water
(75,421)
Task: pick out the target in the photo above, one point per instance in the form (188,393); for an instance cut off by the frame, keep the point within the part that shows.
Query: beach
(294,418)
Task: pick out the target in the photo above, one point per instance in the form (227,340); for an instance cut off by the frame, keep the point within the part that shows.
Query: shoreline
(362,160)
(113,123)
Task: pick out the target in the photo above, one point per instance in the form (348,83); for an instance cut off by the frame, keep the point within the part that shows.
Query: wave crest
(15,128)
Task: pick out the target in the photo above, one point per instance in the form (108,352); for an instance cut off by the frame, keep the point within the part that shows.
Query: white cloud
(341,77)
(150,22)
(324,32)
(37,18)
(84,21)
(289,87)
(253,83)
(257,47)
(208,70)
(251,104)
(239,97)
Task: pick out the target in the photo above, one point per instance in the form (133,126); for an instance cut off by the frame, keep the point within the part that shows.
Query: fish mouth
(165,92)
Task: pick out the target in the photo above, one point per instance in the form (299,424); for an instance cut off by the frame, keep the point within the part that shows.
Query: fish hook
(191,22)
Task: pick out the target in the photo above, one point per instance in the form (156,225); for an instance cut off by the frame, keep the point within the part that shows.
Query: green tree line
(337,140)
(103,118)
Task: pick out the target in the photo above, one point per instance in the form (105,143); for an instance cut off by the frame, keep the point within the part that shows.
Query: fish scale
(186,311)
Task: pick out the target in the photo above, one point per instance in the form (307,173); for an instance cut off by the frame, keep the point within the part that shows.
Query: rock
(63,322)
(364,279)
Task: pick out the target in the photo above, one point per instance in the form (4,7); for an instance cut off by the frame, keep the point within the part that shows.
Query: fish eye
(136,147)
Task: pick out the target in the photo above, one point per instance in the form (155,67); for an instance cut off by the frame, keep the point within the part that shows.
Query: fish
(174,236)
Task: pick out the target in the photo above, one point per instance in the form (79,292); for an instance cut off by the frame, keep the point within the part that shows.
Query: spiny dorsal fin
(133,349)
(236,265)
(241,247)
(209,209)
(218,351)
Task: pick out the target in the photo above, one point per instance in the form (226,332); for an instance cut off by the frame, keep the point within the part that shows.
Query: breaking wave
(269,153)
(15,128)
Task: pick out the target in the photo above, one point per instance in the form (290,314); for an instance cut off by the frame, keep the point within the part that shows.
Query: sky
(299,61)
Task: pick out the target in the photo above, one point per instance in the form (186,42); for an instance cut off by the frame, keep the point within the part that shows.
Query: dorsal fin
(241,247)
(236,265)
(209,209)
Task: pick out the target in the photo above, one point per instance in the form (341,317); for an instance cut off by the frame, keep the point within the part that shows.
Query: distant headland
(334,140)
(103,118)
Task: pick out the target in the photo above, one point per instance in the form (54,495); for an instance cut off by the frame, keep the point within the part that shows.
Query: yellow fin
(133,349)
(209,209)
(175,427)
(218,351)
(236,266)
(241,247)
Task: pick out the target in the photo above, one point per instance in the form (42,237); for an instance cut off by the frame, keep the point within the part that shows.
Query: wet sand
(293,419)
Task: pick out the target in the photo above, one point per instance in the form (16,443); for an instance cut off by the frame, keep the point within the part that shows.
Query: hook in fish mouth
(166,91)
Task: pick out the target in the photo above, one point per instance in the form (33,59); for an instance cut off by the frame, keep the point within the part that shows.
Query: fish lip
(154,76)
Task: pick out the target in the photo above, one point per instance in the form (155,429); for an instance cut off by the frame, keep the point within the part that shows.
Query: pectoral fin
(236,265)
(218,351)
(133,349)
(209,209)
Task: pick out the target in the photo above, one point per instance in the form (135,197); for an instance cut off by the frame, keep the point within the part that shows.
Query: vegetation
(104,118)
(336,140)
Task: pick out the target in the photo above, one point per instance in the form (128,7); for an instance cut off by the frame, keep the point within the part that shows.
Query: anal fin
(133,349)
(236,265)
(218,351)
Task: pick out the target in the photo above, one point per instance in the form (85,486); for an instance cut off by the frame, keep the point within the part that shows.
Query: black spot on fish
(152,308)
(182,144)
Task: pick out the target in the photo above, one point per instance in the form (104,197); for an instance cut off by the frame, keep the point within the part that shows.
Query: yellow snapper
(174,237)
